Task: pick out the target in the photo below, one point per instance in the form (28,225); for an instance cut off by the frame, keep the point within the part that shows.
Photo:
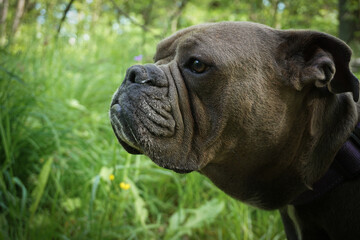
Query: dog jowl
(261,112)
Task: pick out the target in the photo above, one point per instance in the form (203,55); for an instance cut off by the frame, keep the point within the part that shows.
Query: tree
(4,13)
(18,14)
(349,20)
(68,6)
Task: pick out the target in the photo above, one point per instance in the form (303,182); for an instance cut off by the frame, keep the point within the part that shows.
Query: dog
(261,112)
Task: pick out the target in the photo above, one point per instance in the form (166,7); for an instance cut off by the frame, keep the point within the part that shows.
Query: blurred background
(63,175)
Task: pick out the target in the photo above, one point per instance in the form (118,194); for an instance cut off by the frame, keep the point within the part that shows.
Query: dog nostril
(132,76)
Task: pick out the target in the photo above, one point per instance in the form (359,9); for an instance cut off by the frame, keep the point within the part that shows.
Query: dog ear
(310,57)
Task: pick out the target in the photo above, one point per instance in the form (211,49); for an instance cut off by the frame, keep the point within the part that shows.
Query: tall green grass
(57,152)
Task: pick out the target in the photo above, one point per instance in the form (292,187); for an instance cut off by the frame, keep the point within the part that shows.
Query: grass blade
(18,182)
(39,189)
(94,188)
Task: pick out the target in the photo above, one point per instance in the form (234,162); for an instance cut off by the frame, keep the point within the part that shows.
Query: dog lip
(116,108)
(127,142)
(178,170)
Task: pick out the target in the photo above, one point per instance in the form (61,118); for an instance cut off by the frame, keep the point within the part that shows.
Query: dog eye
(197,66)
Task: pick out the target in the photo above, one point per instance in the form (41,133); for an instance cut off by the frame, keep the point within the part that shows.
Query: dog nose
(147,74)
(138,74)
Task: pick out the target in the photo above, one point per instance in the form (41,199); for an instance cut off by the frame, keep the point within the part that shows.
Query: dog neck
(346,166)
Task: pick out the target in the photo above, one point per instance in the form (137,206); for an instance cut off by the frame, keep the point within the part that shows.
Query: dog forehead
(167,47)
(234,35)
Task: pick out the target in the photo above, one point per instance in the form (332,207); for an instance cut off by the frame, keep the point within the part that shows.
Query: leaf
(41,183)
(206,213)
(176,220)
(74,103)
(105,172)
(71,204)
(184,221)
(140,209)
(175,229)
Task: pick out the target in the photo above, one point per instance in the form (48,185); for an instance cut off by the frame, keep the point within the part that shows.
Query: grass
(58,150)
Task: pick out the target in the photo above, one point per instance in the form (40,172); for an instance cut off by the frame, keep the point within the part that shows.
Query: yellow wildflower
(124,186)
(111,177)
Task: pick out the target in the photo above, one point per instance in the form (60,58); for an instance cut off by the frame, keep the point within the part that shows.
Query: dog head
(246,105)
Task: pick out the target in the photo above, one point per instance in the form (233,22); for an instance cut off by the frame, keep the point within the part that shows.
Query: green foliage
(162,17)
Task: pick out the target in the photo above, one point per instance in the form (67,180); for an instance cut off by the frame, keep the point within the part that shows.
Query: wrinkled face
(246,105)
(193,107)
(213,102)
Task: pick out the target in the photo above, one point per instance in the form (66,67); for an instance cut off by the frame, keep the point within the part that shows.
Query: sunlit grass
(63,174)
